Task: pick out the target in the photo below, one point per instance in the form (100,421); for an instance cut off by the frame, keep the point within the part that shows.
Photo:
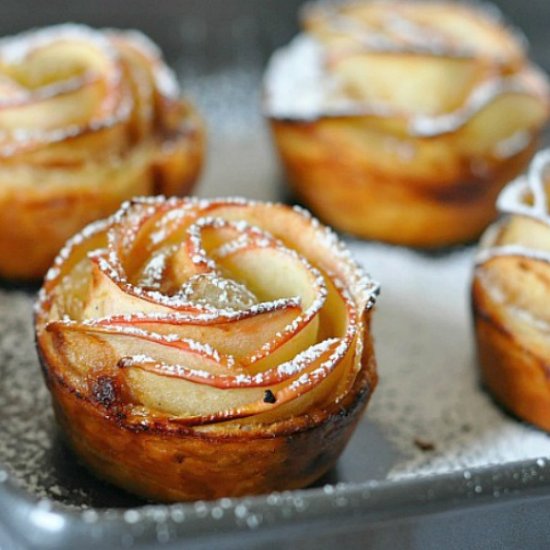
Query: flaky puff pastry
(88,119)
(199,349)
(401,121)
(511,297)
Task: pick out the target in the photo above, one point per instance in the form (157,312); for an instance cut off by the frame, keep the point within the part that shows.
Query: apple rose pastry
(402,121)
(511,293)
(198,349)
(88,119)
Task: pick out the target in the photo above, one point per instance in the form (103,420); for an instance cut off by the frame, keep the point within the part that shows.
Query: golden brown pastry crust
(510,292)
(116,398)
(354,189)
(88,119)
(169,465)
(427,176)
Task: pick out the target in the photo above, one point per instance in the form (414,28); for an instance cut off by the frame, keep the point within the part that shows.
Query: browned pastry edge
(165,462)
(516,377)
(343,190)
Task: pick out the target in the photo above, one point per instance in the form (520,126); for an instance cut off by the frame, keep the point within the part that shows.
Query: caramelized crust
(510,293)
(516,374)
(411,121)
(200,349)
(358,187)
(88,119)
(169,465)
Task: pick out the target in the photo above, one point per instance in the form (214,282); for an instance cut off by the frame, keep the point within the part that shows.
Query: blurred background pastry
(402,121)
(88,119)
(510,296)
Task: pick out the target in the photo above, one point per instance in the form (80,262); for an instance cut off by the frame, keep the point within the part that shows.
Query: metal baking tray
(434,462)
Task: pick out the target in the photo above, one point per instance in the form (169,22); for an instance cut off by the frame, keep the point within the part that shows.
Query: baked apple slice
(200,349)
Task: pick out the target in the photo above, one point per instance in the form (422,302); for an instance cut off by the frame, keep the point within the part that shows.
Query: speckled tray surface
(431,436)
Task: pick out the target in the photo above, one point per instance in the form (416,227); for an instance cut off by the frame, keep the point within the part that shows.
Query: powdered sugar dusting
(526,196)
(208,296)
(153,271)
(14,49)
(481,96)
(429,388)
(298,83)
(280,373)
(29,446)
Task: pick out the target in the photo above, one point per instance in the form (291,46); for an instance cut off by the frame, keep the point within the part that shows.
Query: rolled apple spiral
(401,121)
(226,341)
(88,119)
(511,293)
